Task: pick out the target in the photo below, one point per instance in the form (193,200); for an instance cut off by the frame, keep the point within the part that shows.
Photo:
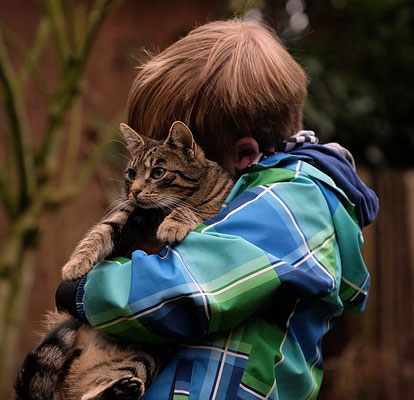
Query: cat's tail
(39,375)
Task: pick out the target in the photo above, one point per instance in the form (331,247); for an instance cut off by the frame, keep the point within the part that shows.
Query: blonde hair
(225,80)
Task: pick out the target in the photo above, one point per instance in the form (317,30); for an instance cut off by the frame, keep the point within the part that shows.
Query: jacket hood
(342,172)
(340,169)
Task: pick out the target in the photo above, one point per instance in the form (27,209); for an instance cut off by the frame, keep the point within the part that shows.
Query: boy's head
(226,80)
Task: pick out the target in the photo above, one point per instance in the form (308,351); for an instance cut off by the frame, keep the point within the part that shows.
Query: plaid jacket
(248,295)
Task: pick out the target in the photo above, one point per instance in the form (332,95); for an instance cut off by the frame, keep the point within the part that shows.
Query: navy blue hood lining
(335,165)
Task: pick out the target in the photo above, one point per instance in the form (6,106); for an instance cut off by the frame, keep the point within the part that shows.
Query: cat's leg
(109,370)
(39,375)
(97,244)
(177,225)
(128,388)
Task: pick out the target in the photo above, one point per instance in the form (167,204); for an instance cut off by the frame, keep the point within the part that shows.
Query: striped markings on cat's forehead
(149,158)
(144,157)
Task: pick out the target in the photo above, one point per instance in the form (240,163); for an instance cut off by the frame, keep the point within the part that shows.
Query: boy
(249,295)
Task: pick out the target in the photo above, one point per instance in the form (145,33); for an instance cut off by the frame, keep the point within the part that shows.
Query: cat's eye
(158,172)
(131,173)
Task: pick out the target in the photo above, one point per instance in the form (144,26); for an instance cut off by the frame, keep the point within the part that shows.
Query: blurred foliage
(38,178)
(359,56)
(361,65)
(240,7)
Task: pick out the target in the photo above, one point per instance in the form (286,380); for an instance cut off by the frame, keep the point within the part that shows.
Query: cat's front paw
(75,269)
(128,388)
(172,232)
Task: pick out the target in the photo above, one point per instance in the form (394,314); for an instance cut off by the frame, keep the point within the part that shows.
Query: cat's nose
(135,191)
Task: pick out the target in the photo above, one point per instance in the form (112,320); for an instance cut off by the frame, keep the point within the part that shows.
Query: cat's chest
(139,232)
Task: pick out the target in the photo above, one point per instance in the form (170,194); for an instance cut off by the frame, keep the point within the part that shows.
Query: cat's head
(161,174)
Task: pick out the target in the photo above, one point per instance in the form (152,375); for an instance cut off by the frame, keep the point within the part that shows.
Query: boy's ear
(181,136)
(132,138)
(246,151)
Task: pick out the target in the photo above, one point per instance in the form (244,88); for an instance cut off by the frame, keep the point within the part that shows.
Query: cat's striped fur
(170,188)
(74,362)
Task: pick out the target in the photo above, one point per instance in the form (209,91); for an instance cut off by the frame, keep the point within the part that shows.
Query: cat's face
(163,174)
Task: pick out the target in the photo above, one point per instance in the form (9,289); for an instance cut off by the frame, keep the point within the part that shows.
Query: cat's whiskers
(154,199)
(117,205)
(116,180)
(176,204)
(124,156)
(183,200)
(125,146)
(173,202)
(161,206)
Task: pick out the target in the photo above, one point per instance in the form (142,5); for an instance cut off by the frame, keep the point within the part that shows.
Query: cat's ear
(180,135)
(133,139)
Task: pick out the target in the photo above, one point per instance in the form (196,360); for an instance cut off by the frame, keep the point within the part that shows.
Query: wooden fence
(371,356)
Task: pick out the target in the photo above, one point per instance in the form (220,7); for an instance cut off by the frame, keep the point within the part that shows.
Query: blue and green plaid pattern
(248,295)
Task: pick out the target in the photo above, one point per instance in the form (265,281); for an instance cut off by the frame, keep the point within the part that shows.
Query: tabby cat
(74,362)
(170,188)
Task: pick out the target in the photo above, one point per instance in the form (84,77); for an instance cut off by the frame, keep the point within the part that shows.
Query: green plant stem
(6,196)
(69,89)
(24,55)
(18,136)
(55,14)
(14,294)
(65,95)
(37,196)
(33,56)
(67,191)
(80,16)
(14,242)
(73,142)
(98,14)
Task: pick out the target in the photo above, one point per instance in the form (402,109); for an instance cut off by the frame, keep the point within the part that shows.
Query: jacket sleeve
(221,274)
